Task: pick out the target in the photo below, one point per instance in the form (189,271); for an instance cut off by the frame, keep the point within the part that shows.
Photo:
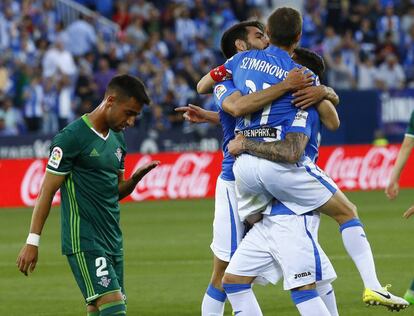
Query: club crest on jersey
(118,154)
(55,157)
(104,281)
(219,90)
(300,118)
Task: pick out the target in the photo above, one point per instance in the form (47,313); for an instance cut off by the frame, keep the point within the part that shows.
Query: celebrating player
(227,232)
(297,183)
(87,163)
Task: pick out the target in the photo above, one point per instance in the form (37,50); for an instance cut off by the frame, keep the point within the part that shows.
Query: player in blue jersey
(225,225)
(294,180)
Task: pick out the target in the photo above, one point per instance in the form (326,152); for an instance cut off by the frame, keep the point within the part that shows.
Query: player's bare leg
(92,310)
(359,249)
(215,297)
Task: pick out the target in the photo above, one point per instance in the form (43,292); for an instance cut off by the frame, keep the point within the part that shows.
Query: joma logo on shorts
(301,275)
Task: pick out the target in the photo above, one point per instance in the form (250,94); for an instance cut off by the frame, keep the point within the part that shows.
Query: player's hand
(236,145)
(27,259)
(409,212)
(392,190)
(192,113)
(144,169)
(309,96)
(297,79)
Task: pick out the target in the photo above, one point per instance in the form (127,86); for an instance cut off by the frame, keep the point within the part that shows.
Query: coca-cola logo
(32,182)
(369,171)
(187,177)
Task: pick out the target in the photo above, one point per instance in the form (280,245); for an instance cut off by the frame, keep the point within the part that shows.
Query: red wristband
(218,73)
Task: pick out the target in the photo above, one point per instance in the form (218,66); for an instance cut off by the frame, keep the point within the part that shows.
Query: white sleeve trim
(57,172)
(409,135)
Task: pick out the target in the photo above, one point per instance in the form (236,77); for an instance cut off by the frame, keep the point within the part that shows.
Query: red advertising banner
(193,175)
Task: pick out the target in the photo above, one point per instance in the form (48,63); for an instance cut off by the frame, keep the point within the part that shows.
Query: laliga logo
(32,181)
(184,178)
(370,171)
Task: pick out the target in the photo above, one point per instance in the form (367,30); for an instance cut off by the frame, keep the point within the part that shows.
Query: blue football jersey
(259,69)
(228,123)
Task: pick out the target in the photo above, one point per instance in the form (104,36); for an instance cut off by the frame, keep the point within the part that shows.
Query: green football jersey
(410,128)
(91,164)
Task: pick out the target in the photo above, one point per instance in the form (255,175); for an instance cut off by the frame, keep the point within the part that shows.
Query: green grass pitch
(168,260)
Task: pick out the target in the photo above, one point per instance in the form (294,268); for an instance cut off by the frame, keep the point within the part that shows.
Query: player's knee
(216,278)
(305,287)
(229,279)
(113,308)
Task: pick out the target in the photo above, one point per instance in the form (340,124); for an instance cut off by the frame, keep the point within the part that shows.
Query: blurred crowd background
(56,57)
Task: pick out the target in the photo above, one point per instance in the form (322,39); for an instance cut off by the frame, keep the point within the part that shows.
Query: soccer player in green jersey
(87,163)
(392,189)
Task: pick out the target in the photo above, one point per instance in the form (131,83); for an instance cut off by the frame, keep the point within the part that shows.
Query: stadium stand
(56,56)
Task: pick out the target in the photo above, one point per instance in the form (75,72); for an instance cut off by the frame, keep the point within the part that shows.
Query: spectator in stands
(185,28)
(50,107)
(389,23)
(8,27)
(5,82)
(13,120)
(390,74)
(160,121)
(203,52)
(385,48)
(367,72)
(339,75)
(366,36)
(82,36)
(136,33)
(330,41)
(33,106)
(103,76)
(65,102)
(58,60)
(407,20)
(122,16)
(408,57)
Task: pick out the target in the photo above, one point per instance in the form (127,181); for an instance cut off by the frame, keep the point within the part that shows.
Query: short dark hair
(310,59)
(129,86)
(235,32)
(284,26)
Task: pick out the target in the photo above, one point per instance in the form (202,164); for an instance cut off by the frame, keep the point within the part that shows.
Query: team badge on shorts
(104,281)
(118,154)
(55,157)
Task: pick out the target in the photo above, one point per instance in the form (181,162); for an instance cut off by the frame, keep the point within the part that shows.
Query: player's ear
(240,45)
(110,100)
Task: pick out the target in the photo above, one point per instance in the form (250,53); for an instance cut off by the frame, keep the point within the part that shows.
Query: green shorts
(97,273)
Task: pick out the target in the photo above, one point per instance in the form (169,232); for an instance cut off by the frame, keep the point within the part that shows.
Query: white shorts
(283,246)
(228,231)
(301,187)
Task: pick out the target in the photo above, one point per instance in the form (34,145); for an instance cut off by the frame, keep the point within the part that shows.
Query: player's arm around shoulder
(328,115)
(28,256)
(289,150)
(239,105)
